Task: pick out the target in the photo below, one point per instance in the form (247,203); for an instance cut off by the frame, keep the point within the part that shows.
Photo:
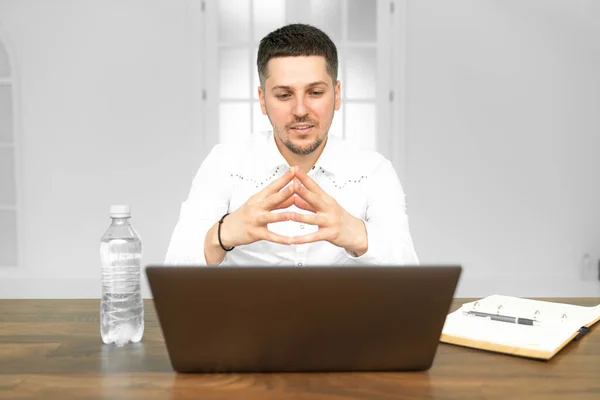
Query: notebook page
(546,338)
(543,311)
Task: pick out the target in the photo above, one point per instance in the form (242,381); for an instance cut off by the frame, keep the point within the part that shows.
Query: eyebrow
(284,87)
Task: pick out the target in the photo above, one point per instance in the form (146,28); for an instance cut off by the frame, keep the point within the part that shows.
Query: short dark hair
(296,40)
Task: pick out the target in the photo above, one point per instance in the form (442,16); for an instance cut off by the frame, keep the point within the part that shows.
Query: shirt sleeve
(386,221)
(207,202)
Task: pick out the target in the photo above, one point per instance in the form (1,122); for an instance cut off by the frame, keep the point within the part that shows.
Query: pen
(503,318)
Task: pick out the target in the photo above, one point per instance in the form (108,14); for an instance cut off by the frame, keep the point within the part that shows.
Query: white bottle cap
(120,211)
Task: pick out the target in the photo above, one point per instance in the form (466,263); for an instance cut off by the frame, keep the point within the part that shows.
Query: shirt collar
(331,157)
(273,158)
(329,160)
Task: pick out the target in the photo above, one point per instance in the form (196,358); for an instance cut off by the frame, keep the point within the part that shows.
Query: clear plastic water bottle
(121,307)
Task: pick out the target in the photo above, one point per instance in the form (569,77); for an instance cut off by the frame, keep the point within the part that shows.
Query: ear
(337,95)
(261,97)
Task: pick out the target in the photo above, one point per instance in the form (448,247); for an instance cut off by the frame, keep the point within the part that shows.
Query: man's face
(299,98)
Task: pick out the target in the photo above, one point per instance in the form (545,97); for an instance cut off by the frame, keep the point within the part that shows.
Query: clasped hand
(248,223)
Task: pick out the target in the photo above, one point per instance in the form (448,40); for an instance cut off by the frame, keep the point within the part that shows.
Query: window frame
(13,82)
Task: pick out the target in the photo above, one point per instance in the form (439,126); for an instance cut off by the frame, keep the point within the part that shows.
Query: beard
(306,149)
(284,136)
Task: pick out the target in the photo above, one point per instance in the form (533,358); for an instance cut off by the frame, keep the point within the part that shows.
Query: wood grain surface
(51,349)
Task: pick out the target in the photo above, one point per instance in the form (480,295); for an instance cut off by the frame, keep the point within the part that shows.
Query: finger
(274,199)
(312,219)
(275,238)
(286,203)
(279,183)
(310,197)
(272,217)
(309,238)
(300,203)
(308,181)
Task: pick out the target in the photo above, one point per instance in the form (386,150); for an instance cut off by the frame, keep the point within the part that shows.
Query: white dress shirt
(364,183)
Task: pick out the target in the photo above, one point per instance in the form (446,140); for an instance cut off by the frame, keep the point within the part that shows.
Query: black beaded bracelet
(219,233)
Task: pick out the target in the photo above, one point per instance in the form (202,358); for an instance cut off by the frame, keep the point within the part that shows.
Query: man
(296,196)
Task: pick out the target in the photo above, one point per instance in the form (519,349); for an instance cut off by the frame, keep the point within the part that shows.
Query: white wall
(110,114)
(502,131)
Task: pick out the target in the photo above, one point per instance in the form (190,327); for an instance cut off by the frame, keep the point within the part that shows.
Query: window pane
(324,14)
(234,73)
(327,16)
(297,11)
(7,177)
(336,128)
(234,21)
(362,20)
(234,121)
(361,68)
(6,114)
(255,78)
(341,64)
(268,16)
(4,64)
(8,238)
(361,126)
(260,122)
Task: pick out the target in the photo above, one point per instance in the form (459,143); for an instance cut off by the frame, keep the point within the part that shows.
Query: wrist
(213,253)
(360,244)
(222,239)
(213,238)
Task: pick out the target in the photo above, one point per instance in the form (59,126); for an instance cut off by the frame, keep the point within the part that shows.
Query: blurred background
(489,110)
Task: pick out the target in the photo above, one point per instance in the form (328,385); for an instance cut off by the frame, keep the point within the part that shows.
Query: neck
(304,161)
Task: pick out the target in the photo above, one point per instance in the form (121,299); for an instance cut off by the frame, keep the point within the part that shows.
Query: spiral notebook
(518,326)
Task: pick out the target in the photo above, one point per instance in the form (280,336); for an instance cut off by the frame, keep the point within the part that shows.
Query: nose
(300,108)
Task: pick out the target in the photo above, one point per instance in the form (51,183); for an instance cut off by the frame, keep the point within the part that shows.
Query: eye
(316,93)
(283,96)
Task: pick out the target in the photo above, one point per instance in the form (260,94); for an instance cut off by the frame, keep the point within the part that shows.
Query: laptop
(284,319)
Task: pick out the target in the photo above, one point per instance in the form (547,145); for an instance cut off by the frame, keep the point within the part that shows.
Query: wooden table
(51,349)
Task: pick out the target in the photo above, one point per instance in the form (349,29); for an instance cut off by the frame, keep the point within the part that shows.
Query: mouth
(302,128)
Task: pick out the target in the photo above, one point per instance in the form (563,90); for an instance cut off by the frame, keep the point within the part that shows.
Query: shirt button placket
(300,255)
